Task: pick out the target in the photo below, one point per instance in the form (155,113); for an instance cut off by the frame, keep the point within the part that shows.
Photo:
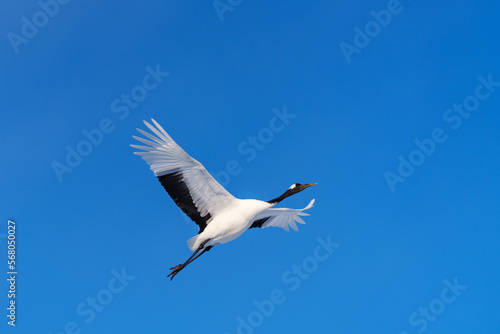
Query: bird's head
(297,187)
(294,188)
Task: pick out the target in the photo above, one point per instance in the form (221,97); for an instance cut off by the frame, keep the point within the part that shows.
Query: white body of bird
(230,223)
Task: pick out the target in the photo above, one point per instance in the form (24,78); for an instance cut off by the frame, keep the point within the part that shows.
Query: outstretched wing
(189,184)
(281,217)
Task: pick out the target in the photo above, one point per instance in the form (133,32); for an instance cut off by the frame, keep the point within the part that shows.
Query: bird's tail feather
(192,242)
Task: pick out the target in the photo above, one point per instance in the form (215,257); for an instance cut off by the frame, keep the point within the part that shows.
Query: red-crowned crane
(220,216)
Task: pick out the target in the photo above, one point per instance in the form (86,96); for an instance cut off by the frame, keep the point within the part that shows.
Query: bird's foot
(175,271)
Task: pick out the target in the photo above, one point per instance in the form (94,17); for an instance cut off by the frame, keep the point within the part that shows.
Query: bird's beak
(309,185)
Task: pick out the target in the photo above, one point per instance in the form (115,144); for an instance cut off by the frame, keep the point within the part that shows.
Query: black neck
(280,198)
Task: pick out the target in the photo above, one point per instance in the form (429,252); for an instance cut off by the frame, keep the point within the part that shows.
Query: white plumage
(282,217)
(220,216)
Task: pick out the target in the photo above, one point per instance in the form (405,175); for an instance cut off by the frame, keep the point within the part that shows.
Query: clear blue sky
(393,108)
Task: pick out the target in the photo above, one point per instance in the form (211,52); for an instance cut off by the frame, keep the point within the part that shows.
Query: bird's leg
(176,269)
(188,260)
(205,250)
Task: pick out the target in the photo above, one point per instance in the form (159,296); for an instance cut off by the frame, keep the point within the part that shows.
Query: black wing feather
(259,222)
(177,189)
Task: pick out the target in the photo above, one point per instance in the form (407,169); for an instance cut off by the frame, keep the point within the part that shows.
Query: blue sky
(392,107)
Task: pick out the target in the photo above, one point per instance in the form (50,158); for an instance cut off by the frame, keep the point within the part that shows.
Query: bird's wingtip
(310,205)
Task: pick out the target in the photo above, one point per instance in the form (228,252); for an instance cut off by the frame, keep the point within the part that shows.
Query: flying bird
(220,216)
